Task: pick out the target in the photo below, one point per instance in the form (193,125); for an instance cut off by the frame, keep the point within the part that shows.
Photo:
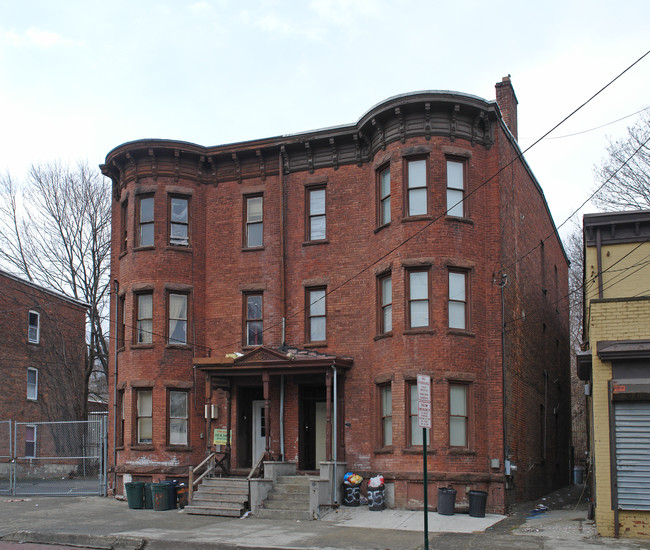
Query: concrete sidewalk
(106,523)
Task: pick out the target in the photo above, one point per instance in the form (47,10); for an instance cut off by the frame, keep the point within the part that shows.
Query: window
(385,393)
(123,226)
(179,221)
(458,418)
(455,188)
(34,327)
(30,441)
(121,315)
(418,298)
(177,418)
(254,222)
(458,300)
(145,222)
(415,430)
(316,320)
(253,315)
(32,384)
(316,209)
(385,304)
(177,319)
(144,421)
(417,187)
(384,196)
(144,318)
(119,436)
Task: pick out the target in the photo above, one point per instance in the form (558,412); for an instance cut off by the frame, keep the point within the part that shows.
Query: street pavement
(556,522)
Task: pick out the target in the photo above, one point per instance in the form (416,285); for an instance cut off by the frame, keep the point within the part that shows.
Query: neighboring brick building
(358,256)
(616,368)
(42,354)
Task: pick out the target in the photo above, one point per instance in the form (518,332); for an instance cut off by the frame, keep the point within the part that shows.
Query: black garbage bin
(376,498)
(446,501)
(351,494)
(477,500)
(135,494)
(171,494)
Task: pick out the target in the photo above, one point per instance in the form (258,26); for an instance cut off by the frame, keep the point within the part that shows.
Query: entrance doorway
(313,427)
(259,430)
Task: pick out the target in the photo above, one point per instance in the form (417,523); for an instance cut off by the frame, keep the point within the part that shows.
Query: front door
(259,430)
(312,427)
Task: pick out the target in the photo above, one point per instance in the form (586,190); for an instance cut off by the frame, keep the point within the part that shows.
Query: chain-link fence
(5,457)
(59,458)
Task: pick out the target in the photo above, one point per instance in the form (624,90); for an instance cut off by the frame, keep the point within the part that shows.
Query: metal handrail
(191,482)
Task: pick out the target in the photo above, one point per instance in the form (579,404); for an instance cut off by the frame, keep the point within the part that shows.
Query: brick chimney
(507,102)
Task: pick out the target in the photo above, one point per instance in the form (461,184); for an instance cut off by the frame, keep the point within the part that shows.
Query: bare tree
(55,230)
(626,169)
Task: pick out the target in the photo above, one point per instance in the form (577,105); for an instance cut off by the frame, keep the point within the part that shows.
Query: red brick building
(414,241)
(42,354)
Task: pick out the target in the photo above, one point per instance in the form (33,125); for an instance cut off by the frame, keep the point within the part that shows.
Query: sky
(80,77)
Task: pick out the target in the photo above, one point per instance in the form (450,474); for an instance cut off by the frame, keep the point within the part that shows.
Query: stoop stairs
(220,496)
(289,499)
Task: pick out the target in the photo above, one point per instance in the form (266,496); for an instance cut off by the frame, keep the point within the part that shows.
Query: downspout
(282,417)
(335,492)
(506,450)
(117,312)
(283,295)
(599,257)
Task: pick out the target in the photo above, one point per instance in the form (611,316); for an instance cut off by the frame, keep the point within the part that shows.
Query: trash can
(182,493)
(578,475)
(160,496)
(134,494)
(376,498)
(148,499)
(446,501)
(477,500)
(171,494)
(351,494)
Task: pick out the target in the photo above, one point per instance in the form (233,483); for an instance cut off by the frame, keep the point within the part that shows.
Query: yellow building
(616,368)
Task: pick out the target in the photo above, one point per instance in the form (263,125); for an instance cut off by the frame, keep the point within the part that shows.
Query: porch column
(267,409)
(328,414)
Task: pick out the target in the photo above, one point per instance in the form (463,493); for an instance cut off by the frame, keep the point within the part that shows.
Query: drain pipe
(335,455)
(117,312)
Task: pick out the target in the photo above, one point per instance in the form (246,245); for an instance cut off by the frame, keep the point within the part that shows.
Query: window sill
(119,447)
(141,248)
(179,248)
(32,400)
(417,450)
(179,448)
(419,331)
(252,248)
(388,450)
(388,334)
(461,451)
(141,447)
(460,332)
(322,344)
(459,219)
(380,227)
(251,347)
(34,343)
(178,346)
(422,217)
(314,243)
(141,346)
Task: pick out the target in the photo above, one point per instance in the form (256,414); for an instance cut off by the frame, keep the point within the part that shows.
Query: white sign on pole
(424,401)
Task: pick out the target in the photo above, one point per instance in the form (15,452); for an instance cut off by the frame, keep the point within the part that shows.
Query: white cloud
(38,38)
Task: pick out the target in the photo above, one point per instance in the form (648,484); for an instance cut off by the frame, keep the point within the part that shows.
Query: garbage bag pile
(377,481)
(352,479)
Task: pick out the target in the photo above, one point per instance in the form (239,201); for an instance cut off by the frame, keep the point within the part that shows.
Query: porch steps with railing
(289,499)
(220,496)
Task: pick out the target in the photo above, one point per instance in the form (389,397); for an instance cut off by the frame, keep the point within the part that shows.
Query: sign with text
(424,401)
(220,437)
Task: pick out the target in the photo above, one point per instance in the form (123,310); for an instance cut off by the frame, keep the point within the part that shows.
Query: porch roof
(284,360)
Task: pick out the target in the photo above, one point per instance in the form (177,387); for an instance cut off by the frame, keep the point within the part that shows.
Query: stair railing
(208,463)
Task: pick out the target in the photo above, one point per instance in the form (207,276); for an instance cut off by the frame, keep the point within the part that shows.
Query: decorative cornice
(423,114)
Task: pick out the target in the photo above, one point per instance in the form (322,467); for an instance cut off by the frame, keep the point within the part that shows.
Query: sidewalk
(106,523)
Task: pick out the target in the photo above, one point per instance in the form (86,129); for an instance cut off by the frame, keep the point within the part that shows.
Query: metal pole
(426,490)
(336,484)
(117,313)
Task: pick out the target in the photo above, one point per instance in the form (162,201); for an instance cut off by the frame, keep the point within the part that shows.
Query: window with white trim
(316,210)
(30,441)
(144,417)
(34,327)
(178,418)
(416,178)
(455,188)
(32,384)
(177,319)
(254,222)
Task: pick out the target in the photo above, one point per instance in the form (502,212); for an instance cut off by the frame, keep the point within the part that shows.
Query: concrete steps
(289,499)
(220,497)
